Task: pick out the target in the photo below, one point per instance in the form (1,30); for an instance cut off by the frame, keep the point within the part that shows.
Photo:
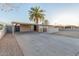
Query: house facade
(25,27)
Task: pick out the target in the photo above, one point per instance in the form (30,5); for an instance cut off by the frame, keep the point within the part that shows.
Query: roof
(23,23)
(29,24)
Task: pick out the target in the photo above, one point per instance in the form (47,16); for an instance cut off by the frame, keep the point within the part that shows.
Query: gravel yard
(44,44)
(73,34)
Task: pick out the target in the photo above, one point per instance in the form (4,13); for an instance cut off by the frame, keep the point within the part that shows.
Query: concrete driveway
(44,44)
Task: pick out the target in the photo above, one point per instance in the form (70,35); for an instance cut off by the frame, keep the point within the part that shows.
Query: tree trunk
(37,26)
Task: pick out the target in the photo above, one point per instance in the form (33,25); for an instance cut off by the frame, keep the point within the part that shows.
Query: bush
(1,26)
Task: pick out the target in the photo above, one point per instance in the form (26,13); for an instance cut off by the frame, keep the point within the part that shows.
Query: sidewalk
(9,46)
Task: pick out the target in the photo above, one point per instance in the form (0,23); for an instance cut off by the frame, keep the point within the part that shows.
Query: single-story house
(25,27)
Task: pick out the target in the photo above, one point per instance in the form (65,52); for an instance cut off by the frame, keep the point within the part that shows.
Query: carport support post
(13,29)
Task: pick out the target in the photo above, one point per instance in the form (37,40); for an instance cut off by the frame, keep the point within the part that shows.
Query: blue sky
(56,13)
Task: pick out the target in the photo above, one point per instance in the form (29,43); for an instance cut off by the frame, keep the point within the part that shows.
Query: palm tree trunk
(37,26)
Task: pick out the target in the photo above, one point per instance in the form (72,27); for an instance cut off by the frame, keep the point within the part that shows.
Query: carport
(22,27)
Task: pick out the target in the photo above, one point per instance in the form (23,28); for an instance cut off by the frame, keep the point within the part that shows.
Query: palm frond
(36,14)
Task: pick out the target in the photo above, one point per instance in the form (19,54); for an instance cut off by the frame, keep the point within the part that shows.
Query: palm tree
(36,14)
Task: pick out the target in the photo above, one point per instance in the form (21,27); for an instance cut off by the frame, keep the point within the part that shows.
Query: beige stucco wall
(52,30)
(40,28)
(24,28)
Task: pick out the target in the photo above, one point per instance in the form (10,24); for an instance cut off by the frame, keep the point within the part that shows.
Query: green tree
(36,14)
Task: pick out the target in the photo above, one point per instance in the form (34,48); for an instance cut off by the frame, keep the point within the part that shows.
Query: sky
(55,13)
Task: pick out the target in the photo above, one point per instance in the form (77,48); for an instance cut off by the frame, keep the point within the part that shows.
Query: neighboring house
(67,27)
(71,27)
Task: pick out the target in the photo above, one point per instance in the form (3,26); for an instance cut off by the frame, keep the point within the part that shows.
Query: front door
(35,28)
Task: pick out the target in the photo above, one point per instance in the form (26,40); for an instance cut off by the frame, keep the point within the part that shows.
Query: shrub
(1,26)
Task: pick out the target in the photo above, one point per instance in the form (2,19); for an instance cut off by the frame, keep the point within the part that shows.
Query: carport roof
(23,23)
